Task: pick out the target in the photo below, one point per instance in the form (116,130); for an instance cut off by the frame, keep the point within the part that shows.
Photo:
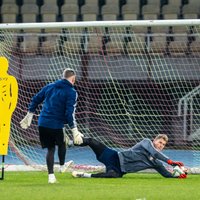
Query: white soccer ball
(177,171)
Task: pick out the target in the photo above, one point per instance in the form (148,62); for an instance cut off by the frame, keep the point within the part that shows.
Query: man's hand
(26,122)
(67,140)
(183,176)
(174,163)
(77,136)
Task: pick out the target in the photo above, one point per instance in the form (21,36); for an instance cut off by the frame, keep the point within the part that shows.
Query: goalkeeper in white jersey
(144,155)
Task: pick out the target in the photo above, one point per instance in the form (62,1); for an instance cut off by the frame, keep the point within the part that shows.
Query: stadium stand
(170,11)
(175,3)
(93,2)
(110,13)
(110,10)
(69,12)
(29,13)
(8,1)
(29,2)
(191,11)
(151,11)
(89,12)
(50,2)
(49,12)
(131,10)
(29,45)
(9,12)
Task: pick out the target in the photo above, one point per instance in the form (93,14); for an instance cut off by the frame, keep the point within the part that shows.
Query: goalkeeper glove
(26,122)
(67,140)
(77,136)
(174,163)
(183,176)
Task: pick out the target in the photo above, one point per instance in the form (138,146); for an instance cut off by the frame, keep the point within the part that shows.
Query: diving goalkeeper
(144,155)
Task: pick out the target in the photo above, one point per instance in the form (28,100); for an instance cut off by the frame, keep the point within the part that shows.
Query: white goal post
(135,79)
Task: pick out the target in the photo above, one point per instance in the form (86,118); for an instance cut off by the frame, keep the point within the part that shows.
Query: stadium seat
(136,45)
(50,44)
(130,12)
(151,11)
(112,2)
(95,43)
(170,11)
(195,46)
(134,2)
(114,45)
(153,2)
(30,2)
(29,12)
(179,45)
(158,45)
(9,13)
(93,2)
(110,12)
(69,12)
(29,44)
(89,17)
(8,1)
(72,45)
(194,2)
(49,8)
(49,12)
(53,2)
(69,2)
(175,3)
(89,12)
(160,29)
(190,11)
(69,17)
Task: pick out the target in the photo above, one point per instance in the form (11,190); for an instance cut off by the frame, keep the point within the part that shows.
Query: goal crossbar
(172,22)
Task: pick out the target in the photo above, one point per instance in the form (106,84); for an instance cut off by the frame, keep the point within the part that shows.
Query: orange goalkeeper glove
(174,163)
(183,176)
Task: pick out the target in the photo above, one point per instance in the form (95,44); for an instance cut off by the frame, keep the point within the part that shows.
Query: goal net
(135,79)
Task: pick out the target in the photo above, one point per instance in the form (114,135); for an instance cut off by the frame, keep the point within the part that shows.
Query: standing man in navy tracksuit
(144,155)
(59,104)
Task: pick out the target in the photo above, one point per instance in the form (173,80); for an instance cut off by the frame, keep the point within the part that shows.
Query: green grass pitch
(138,186)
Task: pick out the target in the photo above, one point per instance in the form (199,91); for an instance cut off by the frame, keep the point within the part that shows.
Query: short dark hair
(68,72)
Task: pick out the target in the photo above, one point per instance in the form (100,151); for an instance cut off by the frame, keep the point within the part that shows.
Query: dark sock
(62,153)
(50,159)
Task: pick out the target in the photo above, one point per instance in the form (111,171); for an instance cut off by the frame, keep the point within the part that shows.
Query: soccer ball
(177,171)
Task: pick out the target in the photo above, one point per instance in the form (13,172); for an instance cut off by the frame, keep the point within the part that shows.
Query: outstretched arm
(148,145)
(160,168)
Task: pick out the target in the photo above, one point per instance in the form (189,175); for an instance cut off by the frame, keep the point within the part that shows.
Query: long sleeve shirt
(143,156)
(59,105)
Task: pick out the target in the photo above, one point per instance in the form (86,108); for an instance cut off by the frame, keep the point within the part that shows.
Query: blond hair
(162,136)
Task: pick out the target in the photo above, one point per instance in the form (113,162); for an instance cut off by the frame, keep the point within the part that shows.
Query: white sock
(52,176)
(87,175)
